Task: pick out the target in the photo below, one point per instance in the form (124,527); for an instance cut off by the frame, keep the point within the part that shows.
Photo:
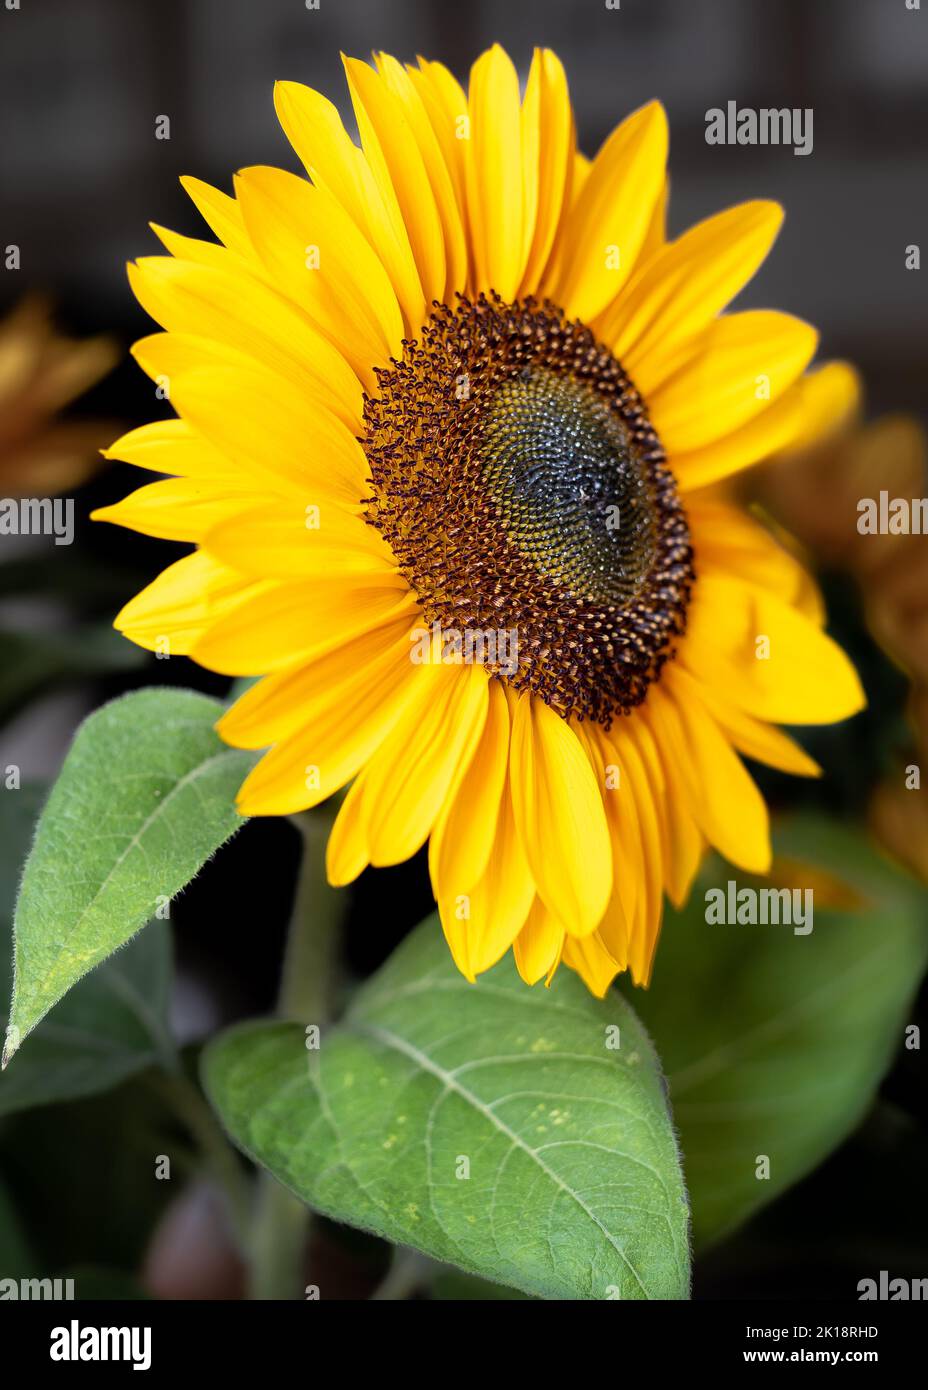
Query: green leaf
(774,1043)
(30,662)
(453,1286)
(115,1021)
(145,797)
(574,1187)
(112,1025)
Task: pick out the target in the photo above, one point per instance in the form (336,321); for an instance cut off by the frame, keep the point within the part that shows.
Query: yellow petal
(172,613)
(400,172)
(625,736)
(767,433)
(330,716)
(482,924)
(548,161)
(762,742)
(805,679)
(287,621)
(595,965)
(177,509)
(494,174)
(727,538)
(222,215)
(167,356)
(538,946)
(208,253)
(169,446)
(682,841)
(320,259)
(439,173)
(656,235)
(347,853)
(446,105)
(830,400)
(430,746)
(354,184)
(330,157)
(616,925)
(245,314)
(465,831)
(611,217)
(725,376)
(661,789)
(720,793)
(682,288)
(276,708)
(559,815)
(273,436)
(286,540)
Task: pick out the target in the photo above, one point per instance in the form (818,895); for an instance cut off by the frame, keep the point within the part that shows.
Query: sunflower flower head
(450,413)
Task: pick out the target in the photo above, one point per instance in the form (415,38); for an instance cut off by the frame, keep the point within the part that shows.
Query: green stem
(408,1272)
(312,939)
(281,1221)
(278,1242)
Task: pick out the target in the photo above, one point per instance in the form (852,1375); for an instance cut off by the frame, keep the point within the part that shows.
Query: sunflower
(41,372)
(816,489)
(450,411)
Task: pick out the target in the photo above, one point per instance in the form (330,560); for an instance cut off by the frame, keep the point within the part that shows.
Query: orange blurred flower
(816,493)
(40,373)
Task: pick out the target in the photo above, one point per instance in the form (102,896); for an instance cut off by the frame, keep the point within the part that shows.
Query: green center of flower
(523,491)
(568,486)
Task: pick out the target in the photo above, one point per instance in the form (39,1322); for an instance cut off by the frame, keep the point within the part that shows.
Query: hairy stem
(307,977)
(408,1272)
(281,1221)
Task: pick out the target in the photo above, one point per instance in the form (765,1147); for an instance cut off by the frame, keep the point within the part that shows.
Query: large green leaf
(453,1286)
(574,1186)
(113,1023)
(774,1043)
(145,797)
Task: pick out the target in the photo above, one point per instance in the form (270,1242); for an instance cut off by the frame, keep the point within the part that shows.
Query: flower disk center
(568,486)
(523,491)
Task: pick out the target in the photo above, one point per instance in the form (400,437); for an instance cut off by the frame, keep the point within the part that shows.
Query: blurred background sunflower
(41,373)
(817,492)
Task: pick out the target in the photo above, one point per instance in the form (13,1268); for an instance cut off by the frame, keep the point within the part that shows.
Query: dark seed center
(517,478)
(568,486)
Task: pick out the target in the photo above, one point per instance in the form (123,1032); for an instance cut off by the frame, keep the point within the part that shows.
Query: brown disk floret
(522,489)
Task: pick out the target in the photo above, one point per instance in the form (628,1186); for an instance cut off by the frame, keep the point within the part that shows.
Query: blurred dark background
(82,173)
(82,81)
